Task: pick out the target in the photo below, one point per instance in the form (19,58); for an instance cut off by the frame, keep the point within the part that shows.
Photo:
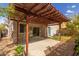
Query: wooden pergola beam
(34,6)
(17,33)
(51,14)
(43,11)
(55,13)
(22,10)
(56,16)
(48,12)
(17,20)
(47,16)
(44,7)
(31,14)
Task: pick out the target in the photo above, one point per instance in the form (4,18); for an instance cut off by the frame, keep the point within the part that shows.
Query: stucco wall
(53,30)
(42,28)
(42,33)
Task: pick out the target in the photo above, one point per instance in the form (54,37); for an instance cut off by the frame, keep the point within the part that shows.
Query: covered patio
(38,48)
(40,13)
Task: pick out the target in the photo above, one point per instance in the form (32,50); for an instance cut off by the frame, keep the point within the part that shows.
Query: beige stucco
(42,31)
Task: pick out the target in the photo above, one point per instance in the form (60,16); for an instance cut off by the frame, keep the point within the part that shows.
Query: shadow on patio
(36,39)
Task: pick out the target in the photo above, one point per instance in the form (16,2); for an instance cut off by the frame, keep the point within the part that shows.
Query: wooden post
(59,31)
(27,34)
(17,31)
(46,31)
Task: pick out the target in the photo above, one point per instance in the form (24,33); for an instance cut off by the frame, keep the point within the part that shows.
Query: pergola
(43,13)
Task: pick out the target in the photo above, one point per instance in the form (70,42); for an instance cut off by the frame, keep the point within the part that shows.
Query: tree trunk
(0,35)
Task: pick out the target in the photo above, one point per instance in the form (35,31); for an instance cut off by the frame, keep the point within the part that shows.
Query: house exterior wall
(63,25)
(53,30)
(42,31)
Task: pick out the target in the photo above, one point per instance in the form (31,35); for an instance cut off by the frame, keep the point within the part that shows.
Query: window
(21,28)
(49,31)
(35,31)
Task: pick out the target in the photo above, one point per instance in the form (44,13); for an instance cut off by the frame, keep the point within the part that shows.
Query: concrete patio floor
(37,48)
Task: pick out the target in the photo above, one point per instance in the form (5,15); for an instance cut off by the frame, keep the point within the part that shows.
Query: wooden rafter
(55,15)
(46,11)
(34,6)
(44,7)
(55,18)
(17,20)
(30,14)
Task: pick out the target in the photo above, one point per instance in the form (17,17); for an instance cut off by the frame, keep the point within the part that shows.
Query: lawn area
(63,38)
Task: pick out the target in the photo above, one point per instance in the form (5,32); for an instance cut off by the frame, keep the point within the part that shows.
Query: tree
(74,26)
(7,12)
(2,28)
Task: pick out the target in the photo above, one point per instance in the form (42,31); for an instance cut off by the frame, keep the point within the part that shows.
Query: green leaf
(19,49)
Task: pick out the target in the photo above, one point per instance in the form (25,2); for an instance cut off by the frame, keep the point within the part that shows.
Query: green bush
(55,37)
(77,44)
(19,50)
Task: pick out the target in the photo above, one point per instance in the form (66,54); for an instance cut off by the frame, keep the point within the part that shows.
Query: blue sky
(67,9)
(3,5)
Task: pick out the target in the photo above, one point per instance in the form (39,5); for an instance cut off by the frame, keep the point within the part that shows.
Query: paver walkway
(37,48)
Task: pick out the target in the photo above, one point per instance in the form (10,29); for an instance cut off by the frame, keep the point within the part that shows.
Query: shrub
(19,50)
(55,37)
(77,45)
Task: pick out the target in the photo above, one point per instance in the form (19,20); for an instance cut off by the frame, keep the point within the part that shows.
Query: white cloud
(73,6)
(2,19)
(70,11)
(66,14)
